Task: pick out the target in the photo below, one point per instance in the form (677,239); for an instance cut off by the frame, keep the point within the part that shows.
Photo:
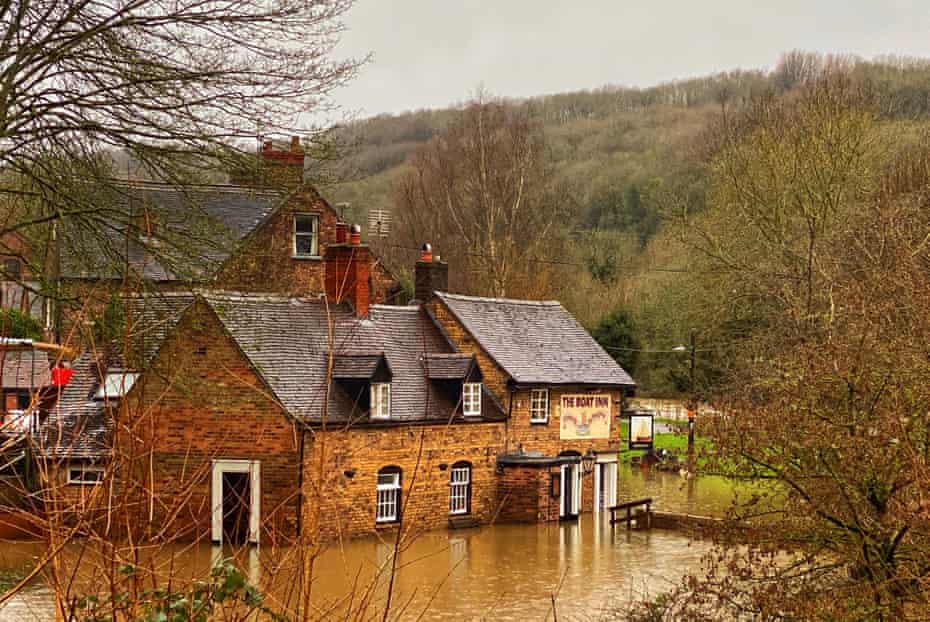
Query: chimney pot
(342,232)
(295,144)
(355,235)
(430,275)
(267,145)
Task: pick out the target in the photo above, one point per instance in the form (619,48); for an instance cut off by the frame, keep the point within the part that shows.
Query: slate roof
(536,343)
(25,369)
(196,229)
(151,317)
(356,366)
(454,366)
(287,341)
(78,426)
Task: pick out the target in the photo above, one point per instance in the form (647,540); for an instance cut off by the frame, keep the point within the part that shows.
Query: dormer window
(306,235)
(381,400)
(471,399)
(115,385)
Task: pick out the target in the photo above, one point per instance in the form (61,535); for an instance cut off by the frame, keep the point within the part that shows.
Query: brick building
(261,416)
(268,388)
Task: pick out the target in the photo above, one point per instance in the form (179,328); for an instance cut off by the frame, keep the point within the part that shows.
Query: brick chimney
(430,275)
(348,267)
(277,165)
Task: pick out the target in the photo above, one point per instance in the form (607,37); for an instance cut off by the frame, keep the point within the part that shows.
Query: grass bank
(673,442)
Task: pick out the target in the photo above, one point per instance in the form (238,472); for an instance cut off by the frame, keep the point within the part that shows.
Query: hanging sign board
(584,416)
(641,431)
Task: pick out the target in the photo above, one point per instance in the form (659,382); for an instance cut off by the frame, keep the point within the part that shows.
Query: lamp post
(691,404)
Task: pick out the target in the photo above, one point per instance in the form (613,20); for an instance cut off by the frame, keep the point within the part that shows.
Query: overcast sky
(433,53)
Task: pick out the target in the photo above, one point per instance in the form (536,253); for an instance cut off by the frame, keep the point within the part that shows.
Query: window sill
(539,422)
(307,257)
(387,524)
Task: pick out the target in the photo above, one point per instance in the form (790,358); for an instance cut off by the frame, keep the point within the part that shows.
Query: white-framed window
(381,400)
(115,385)
(387,500)
(471,399)
(460,488)
(306,235)
(85,474)
(539,406)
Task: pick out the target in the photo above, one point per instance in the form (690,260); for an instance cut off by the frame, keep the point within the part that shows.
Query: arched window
(387,499)
(460,488)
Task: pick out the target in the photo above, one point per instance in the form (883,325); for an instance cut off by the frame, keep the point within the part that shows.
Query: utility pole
(692,406)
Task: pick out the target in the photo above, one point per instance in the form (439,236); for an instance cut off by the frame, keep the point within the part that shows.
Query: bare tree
(483,191)
(176,87)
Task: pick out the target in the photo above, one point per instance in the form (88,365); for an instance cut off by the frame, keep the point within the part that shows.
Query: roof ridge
(268,297)
(518,301)
(166,187)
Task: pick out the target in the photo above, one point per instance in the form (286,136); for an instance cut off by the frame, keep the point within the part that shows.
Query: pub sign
(584,416)
(641,431)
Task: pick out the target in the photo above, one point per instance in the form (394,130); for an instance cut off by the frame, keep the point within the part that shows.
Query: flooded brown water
(500,572)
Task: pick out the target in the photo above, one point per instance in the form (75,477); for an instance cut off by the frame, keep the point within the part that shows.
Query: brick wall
(347,504)
(198,402)
(525,494)
(265,262)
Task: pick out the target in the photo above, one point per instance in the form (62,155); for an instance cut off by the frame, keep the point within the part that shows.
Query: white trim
(545,417)
(388,495)
(315,233)
(610,481)
(253,468)
(471,405)
(570,470)
(85,469)
(380,405)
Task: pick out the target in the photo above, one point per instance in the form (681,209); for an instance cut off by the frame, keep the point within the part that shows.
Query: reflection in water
(504,572)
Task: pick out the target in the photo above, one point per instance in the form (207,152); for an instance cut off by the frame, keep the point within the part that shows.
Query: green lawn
(674,443)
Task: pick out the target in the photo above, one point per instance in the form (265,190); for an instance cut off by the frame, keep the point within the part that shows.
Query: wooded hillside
(628,162)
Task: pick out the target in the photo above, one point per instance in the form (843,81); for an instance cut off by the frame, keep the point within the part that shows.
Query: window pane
(116,385)
(305,224)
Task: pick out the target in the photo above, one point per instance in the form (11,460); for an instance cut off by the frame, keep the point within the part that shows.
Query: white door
(252,468)
(605,485)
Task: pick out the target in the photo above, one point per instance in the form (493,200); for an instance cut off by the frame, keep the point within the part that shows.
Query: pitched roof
(25,369)
(151,318)
(78,426)
(196,230)
(455,366)
(536,342)
(294,362)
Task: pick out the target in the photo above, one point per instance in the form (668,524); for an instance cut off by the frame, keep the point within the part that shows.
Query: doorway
(605,485)
(236,502)
(236,499)
(570,492)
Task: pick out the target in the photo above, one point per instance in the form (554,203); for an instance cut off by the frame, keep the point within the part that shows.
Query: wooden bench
(629,517)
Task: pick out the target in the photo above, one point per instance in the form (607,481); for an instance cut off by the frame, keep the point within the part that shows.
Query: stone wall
(342,503)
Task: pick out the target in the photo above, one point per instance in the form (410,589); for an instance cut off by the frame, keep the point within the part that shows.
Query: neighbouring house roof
(25,369)
(78,426)
(196,230)
(536,343)
(287,341)
(454,366)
